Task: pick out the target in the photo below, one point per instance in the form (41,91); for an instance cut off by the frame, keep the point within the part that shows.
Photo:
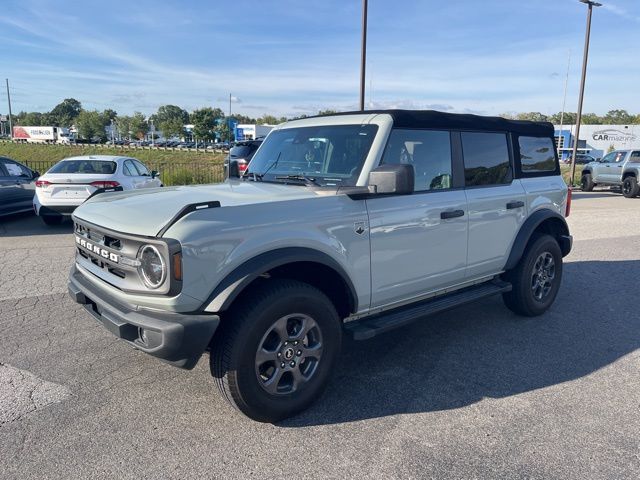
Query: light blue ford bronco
(348,224)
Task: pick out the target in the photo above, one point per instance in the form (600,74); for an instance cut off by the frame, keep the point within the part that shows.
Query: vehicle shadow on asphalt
(603,194)
(483,350)
(28,225)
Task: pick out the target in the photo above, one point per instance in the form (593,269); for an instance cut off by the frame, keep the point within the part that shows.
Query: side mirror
(154,174)
(394,178)
(35,174)
(234,171)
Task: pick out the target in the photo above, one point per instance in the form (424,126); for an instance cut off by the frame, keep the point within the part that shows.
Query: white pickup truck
(620,168)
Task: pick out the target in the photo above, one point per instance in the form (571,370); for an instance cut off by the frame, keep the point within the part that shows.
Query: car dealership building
(596,140)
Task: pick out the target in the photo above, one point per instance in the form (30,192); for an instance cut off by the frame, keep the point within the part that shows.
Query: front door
(418,241)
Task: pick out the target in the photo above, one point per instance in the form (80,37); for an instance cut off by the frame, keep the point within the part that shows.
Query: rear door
(419,241)
(17,185)
(496,201)
(146,180)
(617,166)
(133,175)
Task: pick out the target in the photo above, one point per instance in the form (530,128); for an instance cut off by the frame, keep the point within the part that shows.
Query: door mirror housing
(154,174)
(35,174)
(398,179)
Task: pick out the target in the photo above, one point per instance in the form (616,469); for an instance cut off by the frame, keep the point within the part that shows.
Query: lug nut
(293,364)
(295,343)
(282,365)
(279,354)
(299,352)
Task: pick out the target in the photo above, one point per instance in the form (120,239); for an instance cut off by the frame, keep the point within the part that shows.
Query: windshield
(105,167)
(331,155)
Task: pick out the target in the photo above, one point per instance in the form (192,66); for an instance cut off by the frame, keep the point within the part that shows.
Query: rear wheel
(630,187)
(536,279)
(274,353)
(587,182)
(52,219)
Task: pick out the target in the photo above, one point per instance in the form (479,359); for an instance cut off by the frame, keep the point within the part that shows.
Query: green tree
(66,112)
(569,118)
(636,120)
(618,117)
(110,114)
(327,112)
(267,120)
(123,125)
(170,119)
(32,119)
(204,122)
(533,116)
(91,124)
(138,125)
(591,119)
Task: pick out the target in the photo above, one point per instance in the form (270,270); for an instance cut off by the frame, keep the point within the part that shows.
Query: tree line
(210,123)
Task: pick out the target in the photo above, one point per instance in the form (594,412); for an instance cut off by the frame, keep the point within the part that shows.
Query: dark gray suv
(17,187)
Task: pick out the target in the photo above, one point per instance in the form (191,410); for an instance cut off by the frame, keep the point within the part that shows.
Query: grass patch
(565,170)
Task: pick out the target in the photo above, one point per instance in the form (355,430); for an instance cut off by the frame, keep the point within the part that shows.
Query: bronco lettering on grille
(96,249)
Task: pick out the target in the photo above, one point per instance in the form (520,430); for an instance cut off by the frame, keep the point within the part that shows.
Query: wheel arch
(629,173)
(304,264)
(585,171)
(541,221)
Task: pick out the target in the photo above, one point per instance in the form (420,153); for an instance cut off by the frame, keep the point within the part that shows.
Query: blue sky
(291,57)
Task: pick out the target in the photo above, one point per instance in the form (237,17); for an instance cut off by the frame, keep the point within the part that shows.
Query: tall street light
(363,57)
(590,4)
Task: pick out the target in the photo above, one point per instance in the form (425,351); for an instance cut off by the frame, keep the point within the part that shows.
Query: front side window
(142,170)
(429,151)
(14,169)
(105,167)
(129,169)
(330,155)
(537,154)
(486,159)
(609,157)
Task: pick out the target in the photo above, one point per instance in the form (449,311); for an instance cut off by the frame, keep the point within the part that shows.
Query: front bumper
(178,339)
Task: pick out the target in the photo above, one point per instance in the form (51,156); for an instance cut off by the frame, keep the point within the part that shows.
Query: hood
(146,212)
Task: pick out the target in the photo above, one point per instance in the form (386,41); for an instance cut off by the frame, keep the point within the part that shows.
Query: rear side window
(635,157)
(486,159)
(429,151)
(103,167)
(537,154)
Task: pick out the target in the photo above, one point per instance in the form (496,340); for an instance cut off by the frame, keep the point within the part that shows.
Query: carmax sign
(612,135)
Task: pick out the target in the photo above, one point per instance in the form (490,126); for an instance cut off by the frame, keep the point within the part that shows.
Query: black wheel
(274,353)
(587,182)
(52,219)
(630,187)
(536,279)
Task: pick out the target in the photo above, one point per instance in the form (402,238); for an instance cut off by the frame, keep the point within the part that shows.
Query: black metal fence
(171,173)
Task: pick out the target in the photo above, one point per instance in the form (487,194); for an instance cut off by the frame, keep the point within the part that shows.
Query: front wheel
(536,279)
(630,187)
(587,182)
(274,353)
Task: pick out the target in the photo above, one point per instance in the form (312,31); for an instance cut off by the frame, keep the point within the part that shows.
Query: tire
(52,219)
(536,279)
(630,187)
(587,182)
(259,385)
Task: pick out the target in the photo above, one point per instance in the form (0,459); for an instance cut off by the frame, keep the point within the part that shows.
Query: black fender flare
(529,226)
(234,283)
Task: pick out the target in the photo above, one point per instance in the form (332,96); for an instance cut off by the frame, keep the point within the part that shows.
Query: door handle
(451,214)
(512,205)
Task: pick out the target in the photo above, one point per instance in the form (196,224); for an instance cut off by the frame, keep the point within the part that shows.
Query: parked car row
(68,184)
(171,144)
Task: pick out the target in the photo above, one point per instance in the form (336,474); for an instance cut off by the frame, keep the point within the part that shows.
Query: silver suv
(620,168)
(350,224)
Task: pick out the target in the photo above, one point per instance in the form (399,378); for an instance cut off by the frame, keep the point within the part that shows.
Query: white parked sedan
(71,181)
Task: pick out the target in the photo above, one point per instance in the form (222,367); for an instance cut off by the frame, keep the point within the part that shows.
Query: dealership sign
(611,135)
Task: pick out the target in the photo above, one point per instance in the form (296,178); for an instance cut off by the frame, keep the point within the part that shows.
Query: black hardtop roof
(460,121)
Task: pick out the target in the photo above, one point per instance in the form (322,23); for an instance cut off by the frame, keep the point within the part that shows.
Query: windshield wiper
(259,176)
(302,178)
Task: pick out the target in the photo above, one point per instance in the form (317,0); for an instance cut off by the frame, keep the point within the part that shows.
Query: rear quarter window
(537,155)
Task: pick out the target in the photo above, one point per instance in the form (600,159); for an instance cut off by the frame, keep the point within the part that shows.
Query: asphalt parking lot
(473,393)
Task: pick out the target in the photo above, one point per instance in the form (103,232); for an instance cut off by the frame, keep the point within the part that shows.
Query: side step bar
(369,327)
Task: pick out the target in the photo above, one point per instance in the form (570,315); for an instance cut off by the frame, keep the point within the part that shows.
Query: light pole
(585,58)
(153,134)
(112,141)
(363,57)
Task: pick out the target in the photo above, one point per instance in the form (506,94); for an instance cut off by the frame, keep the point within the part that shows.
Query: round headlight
(152,266)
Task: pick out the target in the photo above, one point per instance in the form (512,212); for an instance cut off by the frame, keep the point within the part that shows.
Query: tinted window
(486,158)
(635,157)
(142,170)
(537,154)
(105,167)
(14,169)
(332,154)
(428,151)
(129,169)
(242,151)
